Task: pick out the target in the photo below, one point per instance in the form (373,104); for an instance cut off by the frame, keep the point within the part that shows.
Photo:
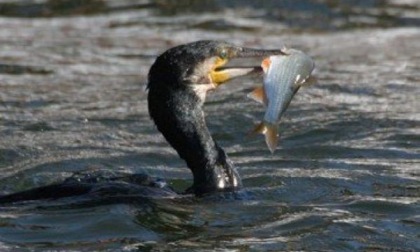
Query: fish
(283,76)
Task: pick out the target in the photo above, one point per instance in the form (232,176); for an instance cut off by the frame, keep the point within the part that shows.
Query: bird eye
(223,54)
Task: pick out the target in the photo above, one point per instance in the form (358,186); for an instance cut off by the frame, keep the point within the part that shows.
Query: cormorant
(178,82)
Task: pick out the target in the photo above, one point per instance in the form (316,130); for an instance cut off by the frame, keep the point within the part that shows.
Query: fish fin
(258,95)
(265,64)
(259,128)
(271,137)
(270,132)
(311,80)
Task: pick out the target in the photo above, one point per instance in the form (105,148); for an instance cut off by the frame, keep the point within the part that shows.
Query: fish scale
(280,82)
(283,76)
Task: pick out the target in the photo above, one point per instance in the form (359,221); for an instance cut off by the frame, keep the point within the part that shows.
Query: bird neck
(178,115)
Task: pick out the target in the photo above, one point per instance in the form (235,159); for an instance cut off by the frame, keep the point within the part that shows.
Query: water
(346,175)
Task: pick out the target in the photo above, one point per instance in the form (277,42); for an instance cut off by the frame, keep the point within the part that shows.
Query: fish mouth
(223,71)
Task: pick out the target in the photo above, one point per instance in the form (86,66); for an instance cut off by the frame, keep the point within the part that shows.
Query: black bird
(178,82)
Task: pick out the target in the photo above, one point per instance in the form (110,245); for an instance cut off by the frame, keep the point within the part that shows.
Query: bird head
(201,66)
(178,82)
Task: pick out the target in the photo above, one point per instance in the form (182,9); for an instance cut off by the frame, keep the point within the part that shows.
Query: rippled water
(346,175)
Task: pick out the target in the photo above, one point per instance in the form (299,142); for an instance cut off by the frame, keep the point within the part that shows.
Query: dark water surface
(346,175)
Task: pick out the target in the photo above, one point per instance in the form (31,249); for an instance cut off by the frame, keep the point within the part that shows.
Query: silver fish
(283,76)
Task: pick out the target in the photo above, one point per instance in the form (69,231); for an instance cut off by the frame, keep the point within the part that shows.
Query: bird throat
(180,118)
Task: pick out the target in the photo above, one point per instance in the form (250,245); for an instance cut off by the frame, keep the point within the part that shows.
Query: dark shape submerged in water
(177,84)
(97,185)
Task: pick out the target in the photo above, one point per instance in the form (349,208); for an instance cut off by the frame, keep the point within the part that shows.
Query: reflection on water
(72,100)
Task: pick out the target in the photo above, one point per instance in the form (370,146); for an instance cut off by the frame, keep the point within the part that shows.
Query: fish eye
(223,54)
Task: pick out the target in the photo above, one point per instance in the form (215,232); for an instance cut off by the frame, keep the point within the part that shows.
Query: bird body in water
(178,82)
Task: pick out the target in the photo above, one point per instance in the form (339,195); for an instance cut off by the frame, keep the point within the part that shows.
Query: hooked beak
(221,74)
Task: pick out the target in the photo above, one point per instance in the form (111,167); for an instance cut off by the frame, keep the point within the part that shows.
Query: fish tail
(270,132)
